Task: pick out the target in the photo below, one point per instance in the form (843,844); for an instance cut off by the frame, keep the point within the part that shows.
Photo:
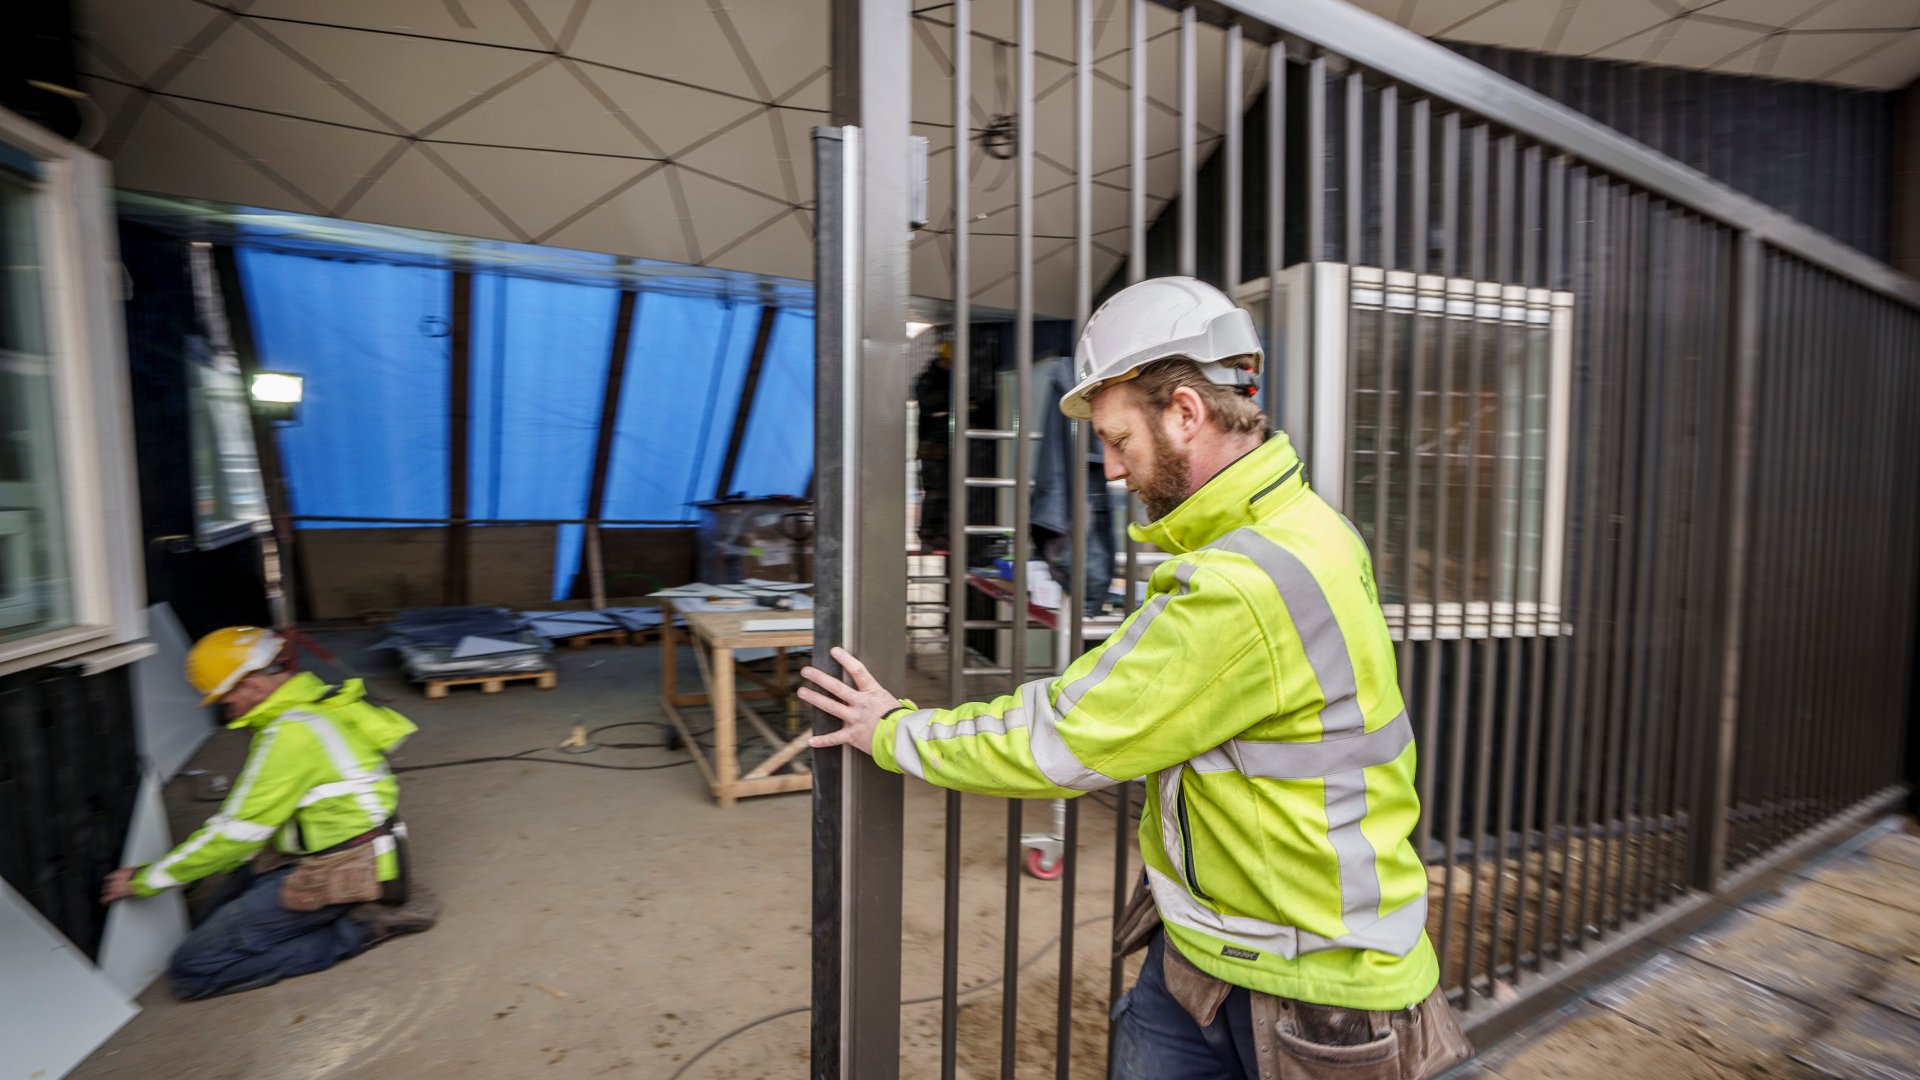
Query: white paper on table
(754,626)
(141,934)
(55,1006)
(169,721)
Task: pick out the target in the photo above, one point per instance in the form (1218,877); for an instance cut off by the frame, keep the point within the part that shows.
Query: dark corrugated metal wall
(1821,153)
(69,775)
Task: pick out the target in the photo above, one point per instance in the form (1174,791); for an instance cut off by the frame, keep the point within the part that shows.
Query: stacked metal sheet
(450,642)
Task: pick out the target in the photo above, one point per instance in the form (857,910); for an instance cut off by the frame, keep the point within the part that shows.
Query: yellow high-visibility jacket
(316,775)
(1257,688)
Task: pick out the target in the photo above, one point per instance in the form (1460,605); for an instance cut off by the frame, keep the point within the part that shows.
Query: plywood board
(355,572)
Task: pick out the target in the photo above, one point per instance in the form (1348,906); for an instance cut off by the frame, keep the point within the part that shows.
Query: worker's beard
(1166,487)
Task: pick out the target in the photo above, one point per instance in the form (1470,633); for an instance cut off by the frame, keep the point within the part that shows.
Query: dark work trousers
(248,940)
(1157,1040)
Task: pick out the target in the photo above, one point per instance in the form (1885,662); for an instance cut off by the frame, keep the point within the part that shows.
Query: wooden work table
(714,637)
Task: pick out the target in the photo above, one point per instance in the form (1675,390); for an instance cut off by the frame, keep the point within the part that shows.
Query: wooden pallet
(489,684)
(610,636)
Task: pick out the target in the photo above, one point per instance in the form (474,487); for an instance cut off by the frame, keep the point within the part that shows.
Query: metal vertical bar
(1388,225)
(1419,204)
(1077,585)
(1652,452)
(1022,489)
(1010,934)
(1317,151)
(1504,538)
(860,430)
(1189,144)
(1136,272)
(1663,628)
(1276,226)
(1554,277)
(1529,772)
(1353,153)
(1596,567)
(1234,104)
(1569,706)
(459,408)
(1466,676)
(1457,751)
(1353,147)
(959,454)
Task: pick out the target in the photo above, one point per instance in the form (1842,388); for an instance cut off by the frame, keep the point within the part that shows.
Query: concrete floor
(616,923)
(606,923)
(1817,978)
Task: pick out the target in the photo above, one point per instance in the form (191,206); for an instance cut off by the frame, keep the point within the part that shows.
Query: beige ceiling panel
(1444,17)
(1599,24)
(1859,15)
(1386,9)
(143,36)
(382,68)
(640,220)
(788,40)
(675,117)
(1517,24)
(534,188)
(762,154)
(325,162)
(243,67)
(814,91)
(491,21)
(167,154)
(930,266)
(1894,66)
(1821,56)
(1692,43)
(783,249)
(723,214)
(1769,12)
(675,39)
(417,194)
(550,109)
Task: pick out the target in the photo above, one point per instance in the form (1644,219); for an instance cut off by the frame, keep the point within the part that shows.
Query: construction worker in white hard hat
(1283,906)
(309,832)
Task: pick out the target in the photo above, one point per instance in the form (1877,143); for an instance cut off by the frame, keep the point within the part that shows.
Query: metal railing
(1624,443)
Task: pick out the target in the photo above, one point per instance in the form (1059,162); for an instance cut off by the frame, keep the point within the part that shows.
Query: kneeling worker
(316,783)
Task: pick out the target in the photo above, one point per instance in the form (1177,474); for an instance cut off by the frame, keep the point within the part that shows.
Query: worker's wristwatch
(904,706)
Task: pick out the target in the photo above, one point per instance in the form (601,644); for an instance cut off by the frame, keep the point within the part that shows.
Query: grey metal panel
(1378,44)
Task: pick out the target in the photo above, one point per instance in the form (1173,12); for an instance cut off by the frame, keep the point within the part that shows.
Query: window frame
(82,290)
(1319,301)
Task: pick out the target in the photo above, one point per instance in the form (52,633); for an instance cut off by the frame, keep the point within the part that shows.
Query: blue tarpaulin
(373,341)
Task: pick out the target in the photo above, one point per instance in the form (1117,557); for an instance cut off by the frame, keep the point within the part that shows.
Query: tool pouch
(351,876)
(1137,922)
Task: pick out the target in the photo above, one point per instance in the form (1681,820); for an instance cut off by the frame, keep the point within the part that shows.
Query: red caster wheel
(1038,866)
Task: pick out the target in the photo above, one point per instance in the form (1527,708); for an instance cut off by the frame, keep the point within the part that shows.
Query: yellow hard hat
(221,659)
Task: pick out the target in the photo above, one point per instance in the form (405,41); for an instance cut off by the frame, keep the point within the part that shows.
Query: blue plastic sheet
(372,341)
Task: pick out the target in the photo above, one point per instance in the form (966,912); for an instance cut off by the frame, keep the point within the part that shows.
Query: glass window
(36,594)
(228,498)
(1475,438)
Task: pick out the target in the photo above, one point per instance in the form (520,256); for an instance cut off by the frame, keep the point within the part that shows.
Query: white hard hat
(1157,320)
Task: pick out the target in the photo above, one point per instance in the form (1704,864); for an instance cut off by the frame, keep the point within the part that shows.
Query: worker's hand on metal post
(118,885)
(859,706)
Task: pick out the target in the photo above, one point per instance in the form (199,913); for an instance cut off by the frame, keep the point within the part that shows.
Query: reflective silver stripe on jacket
(1339,758)
(1035,713)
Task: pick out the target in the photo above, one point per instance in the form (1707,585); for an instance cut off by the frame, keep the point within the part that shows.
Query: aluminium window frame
(83,289)
(1319,301)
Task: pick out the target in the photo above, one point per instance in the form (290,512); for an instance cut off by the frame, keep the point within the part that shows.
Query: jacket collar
(1244,492)
(305,688)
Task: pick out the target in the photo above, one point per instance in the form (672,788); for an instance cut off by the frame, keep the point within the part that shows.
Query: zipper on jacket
(1186,846)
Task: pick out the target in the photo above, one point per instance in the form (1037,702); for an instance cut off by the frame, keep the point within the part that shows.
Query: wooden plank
(773,785)
(723,629)
(489,684)
(686,736)
(781,757)
(599,637)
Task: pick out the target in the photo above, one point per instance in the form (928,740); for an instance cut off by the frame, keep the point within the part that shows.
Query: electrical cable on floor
(963,992)
(526,755)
